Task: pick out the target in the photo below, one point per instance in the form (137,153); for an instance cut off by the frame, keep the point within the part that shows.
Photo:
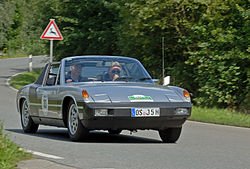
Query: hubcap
(25,114)
(73,119)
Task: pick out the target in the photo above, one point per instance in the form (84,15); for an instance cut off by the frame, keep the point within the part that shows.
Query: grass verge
(10,153)
(24,78)
(220,116)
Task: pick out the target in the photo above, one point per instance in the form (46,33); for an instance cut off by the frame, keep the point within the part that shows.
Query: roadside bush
(10,154)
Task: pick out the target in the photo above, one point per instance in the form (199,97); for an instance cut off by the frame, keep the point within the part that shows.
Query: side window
(58,77)
(52,75)
(41,77)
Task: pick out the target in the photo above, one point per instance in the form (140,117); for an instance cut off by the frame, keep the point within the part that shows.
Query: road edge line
(8,81)
(43,154)
(218,125)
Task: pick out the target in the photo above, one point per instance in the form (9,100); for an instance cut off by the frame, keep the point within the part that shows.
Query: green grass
(23,79)
(220,116)
(13,54)
(10,153)
(20,54)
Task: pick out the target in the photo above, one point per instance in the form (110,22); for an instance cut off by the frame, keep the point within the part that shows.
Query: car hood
(131,92)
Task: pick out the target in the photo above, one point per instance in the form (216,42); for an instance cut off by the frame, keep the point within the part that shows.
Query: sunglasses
(115,71)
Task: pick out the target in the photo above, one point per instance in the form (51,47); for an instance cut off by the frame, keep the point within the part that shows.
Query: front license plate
(145,112)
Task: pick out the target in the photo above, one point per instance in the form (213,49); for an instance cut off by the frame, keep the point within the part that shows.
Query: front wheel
(27,123)
(76,130)
(170,135)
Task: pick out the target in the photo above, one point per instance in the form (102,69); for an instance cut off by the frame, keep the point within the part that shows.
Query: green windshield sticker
(140,98)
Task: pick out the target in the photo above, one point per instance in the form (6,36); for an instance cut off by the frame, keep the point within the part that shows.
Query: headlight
(101,112)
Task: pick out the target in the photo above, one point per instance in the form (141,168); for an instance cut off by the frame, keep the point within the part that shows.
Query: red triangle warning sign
(52,31)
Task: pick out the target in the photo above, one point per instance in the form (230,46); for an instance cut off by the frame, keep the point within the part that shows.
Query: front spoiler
(120,116)
(113,123)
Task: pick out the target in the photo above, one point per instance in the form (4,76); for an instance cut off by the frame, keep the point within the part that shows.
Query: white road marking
(44,155)
(103,168)
(8,82)
(217,125)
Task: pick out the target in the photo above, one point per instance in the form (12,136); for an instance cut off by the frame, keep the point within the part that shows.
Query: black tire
(28,124)
(118,131)
(170,135)
(77,132)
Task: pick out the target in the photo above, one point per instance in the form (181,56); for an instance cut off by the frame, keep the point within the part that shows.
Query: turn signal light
(85,94)
(186,94)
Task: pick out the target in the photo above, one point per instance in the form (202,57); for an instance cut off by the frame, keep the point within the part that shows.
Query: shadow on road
(4,77)
(94,136)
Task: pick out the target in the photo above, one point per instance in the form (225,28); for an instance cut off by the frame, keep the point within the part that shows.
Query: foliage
(7,10)
(142,27)
(206,42)
(22,24)
(10,154)
(219,53)
(88,30)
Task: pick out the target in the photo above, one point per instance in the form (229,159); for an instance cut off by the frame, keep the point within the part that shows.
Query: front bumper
(119,116)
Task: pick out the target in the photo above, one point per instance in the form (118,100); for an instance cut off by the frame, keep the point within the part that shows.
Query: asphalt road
(201,146)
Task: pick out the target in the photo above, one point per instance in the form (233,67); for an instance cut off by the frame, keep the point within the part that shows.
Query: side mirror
(166,81)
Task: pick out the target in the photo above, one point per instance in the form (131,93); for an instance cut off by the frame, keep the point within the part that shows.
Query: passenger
(114,71)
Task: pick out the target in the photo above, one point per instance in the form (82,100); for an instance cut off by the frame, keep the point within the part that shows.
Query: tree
(219,52)
(7,10)
(88,30)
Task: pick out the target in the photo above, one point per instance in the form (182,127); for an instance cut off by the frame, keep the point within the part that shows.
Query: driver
(74,74)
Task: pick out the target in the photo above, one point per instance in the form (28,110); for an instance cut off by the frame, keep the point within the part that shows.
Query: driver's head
(76,69)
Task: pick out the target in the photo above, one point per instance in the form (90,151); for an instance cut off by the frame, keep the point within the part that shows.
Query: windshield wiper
(144,78)
(124,78)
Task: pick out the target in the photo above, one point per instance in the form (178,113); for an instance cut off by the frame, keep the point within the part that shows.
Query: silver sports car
(112,93)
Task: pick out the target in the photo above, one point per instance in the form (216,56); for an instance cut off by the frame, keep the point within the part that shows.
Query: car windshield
(104,69)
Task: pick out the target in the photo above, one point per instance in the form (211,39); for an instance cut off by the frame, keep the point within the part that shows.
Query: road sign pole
(51,51)
(51,33)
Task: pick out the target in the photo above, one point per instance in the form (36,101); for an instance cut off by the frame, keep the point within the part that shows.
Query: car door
(34,102)
(47,94)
